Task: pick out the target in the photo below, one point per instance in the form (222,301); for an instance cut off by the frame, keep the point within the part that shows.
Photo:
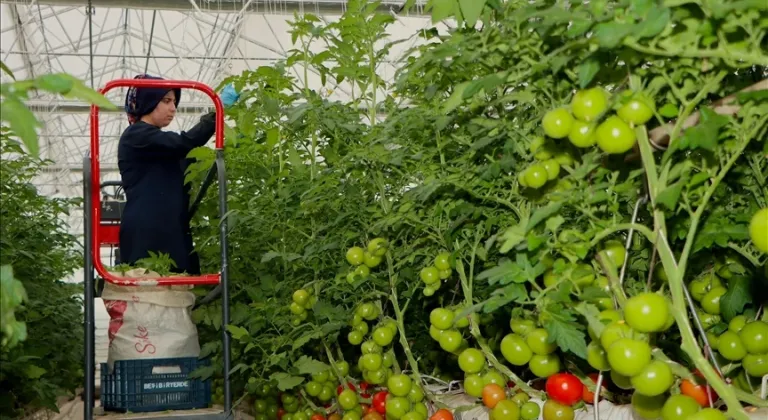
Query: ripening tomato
(564,388)
(317,416)
(492,394)
(589,396)
(442,414)
(700,393)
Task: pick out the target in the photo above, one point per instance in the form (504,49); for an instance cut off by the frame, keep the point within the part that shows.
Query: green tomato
(621,381)
(679,407)
(378,247)
(378,376)
(648,407)
(710,303)
(450,340)
(597,356)
(521,327)
(399,385)
(505,410)
(557,123)
(301,297)
(613,332)
(313,388)
(473,385)
(655,379)
(553,410)
(628,356)
(520,398)
(737,323)
(515,349)
(647,312)
(397,407)
(355,338)
(416,394)
(296,309)
(443,261)
(494,377)
(614,136)
(326,394)
(343,368)
(355,255)
(552,168)
(441,318)
(609,315)
(362,328)
(636,111)
(536,176)
(383,336)
(372,361)
(430,275)
(708,414)
(370,347)
(348,399)
(729,346)
(582,134)
(370,261)
(530,411)
(589,104)
(544,366)
(538,342)
(350,415)
(471,360)
(703,284)
(435,333)
(755,364)
(754,335)
(615,252)
(758,230)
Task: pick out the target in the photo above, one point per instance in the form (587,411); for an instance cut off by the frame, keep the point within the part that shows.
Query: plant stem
(676,272)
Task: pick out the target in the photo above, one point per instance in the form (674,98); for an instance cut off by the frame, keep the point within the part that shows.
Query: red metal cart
(103,231)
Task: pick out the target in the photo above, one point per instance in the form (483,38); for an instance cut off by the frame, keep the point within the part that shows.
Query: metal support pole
(88,298)
(90,38)
(224,280)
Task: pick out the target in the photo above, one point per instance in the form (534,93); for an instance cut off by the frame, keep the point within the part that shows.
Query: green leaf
(554,222)
(471,9)
(309,366)
(513,292)
(442,9)
(542,214)
(81,91)
(286,381)
(704,135)
(668,111)
(304,339)
(34,372)
(273,136)
(611,34)
(669,196)
(456,98)
(587,71)
(567,333)
(54,83)
(21,121)
(733,301)
(505,272)
(512,237)
(238,333)
(653,23)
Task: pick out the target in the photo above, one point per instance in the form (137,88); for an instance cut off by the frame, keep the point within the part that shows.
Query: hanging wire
(90,40)
(151,37)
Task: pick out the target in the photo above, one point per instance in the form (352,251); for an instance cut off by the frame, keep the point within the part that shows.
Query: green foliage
(42,348)
(310,178)
(34,240)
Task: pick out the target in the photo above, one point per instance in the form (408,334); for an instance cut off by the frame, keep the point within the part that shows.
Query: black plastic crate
(154,385)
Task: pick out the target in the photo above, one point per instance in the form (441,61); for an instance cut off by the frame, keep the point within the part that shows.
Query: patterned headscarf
(141,101)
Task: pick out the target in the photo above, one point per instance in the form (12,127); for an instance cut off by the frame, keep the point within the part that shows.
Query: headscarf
(142,101)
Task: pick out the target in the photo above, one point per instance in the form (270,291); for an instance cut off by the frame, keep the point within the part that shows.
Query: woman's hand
(229,96)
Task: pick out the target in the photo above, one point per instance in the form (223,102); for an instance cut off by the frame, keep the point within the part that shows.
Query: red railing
(100,235)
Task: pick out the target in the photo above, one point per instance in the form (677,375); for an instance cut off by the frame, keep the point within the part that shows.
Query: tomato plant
(559,177)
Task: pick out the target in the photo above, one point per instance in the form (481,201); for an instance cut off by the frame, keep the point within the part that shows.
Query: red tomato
(698,392)
(442,414)
(341,388)
(380,402)
(280,413)
(564,388)
(317,416)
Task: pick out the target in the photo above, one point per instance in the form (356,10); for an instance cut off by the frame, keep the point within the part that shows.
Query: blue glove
(229,96)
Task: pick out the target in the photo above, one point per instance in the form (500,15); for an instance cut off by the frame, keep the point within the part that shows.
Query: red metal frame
(102,235)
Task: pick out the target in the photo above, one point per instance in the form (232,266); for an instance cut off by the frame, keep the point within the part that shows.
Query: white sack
(149,321)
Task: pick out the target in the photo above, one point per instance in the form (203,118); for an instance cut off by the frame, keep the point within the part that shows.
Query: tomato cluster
(302,301)
(587,122)
(405,399)
(321,384)
(548,165)
(365,259)
(433,275)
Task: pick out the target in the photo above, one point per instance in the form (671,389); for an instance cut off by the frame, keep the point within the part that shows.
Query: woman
(152,163)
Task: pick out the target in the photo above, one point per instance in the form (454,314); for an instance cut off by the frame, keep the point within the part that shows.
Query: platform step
(201,414)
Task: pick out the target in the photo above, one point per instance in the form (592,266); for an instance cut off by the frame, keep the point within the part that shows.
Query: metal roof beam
(322,7)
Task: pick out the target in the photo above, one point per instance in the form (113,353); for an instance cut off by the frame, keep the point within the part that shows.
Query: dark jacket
(156,216)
